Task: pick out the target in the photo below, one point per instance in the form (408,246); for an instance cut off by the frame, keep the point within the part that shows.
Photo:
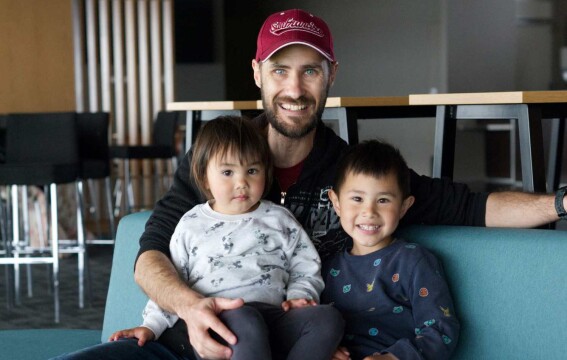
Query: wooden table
(526,107)
(346,110)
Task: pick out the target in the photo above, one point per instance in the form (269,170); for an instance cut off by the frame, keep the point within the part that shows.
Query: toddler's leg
(315,331)
(253,337)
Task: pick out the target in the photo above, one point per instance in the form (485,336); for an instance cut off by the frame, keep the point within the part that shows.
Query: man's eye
(310,72)
(279,71)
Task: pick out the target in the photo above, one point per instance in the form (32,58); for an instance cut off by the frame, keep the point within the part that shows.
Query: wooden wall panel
(36,56)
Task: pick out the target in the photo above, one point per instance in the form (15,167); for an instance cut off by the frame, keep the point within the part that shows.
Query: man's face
(294,84)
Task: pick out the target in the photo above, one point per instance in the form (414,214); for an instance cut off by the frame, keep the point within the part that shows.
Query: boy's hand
(341,354)
(387,356)
(143,334)
(297,303)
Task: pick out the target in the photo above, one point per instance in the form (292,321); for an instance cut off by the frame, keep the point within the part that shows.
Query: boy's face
(370,209)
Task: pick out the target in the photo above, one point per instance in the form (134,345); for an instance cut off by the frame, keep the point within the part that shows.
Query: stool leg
(27,237)
(15,241)
(53,221)
(109,207)
(82,256)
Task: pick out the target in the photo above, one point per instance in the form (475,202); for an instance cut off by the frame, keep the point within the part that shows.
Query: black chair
(41,150)
(162,148)
(94,157)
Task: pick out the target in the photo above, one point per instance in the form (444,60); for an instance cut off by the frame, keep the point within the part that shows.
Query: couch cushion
(508,287)
(37,344)
(125,300)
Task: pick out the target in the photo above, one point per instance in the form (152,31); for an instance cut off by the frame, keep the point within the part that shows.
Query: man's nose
(294,86)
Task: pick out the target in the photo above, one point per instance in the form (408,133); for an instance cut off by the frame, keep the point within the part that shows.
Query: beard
(290,131)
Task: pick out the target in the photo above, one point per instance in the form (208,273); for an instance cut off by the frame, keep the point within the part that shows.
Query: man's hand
(202,315)
(143,334)
(297,303)
(159,279)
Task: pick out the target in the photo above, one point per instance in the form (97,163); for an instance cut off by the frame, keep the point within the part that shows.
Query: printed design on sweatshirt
(377,262)
(334,272)
(396,277)
(217,282)
(429,322)
(227,243)
(347,288)
(423,292)
(214,228)
(373,331)
(446,311)
(216,263)
(446,340)
(300,246)
(235,265)
(410,246)
(370,287)
(194,250)
(398,309)
(264,280)
(261,237)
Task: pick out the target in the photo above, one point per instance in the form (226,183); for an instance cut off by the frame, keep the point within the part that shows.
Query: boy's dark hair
(374,158)
(225,134)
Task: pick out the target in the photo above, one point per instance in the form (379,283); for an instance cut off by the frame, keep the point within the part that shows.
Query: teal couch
(508,286)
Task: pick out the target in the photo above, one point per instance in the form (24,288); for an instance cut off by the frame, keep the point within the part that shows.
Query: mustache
(302,100)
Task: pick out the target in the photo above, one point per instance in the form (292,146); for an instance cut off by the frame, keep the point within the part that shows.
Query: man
(294,68)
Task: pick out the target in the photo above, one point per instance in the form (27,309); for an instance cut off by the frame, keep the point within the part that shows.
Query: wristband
(559,195)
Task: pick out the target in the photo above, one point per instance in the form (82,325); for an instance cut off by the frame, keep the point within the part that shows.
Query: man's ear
(335,200)
(406,204)
(333,72)
(257,74)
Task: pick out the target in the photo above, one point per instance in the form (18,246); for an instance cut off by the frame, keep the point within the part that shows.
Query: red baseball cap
(294,27)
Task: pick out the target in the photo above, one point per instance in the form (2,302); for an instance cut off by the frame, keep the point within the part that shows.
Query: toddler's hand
(297,303)
(143,334)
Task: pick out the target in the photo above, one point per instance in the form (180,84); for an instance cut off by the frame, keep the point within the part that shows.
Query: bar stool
(41,150)
(162,148)
(95,165)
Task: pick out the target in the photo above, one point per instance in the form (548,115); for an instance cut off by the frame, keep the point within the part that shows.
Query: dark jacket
(438,201)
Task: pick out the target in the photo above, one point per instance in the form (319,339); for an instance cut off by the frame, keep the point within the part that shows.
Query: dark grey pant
(267,332)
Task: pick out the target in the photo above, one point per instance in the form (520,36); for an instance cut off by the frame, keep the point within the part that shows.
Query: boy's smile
(370,209)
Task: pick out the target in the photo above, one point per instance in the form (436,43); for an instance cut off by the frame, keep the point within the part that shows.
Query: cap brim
(327,56)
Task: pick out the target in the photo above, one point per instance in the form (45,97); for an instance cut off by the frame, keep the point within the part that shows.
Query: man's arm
(444,202)
(518,209)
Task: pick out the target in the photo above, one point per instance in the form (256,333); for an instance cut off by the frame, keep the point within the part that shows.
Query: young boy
(393,294)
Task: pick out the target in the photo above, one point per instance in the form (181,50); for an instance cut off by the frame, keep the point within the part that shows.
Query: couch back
(507,285)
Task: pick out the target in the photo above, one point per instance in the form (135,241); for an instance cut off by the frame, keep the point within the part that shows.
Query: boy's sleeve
(180,198)
(305,281)
(436,325)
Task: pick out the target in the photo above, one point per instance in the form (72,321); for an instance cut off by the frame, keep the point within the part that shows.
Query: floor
(38,311)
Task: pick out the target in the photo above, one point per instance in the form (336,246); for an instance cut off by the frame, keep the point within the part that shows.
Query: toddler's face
(370,209)
(236,187)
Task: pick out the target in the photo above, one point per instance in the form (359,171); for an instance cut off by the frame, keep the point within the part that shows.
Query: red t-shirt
(287,176)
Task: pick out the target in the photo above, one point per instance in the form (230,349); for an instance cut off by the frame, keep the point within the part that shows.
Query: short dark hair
(225,134)
(374,158)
